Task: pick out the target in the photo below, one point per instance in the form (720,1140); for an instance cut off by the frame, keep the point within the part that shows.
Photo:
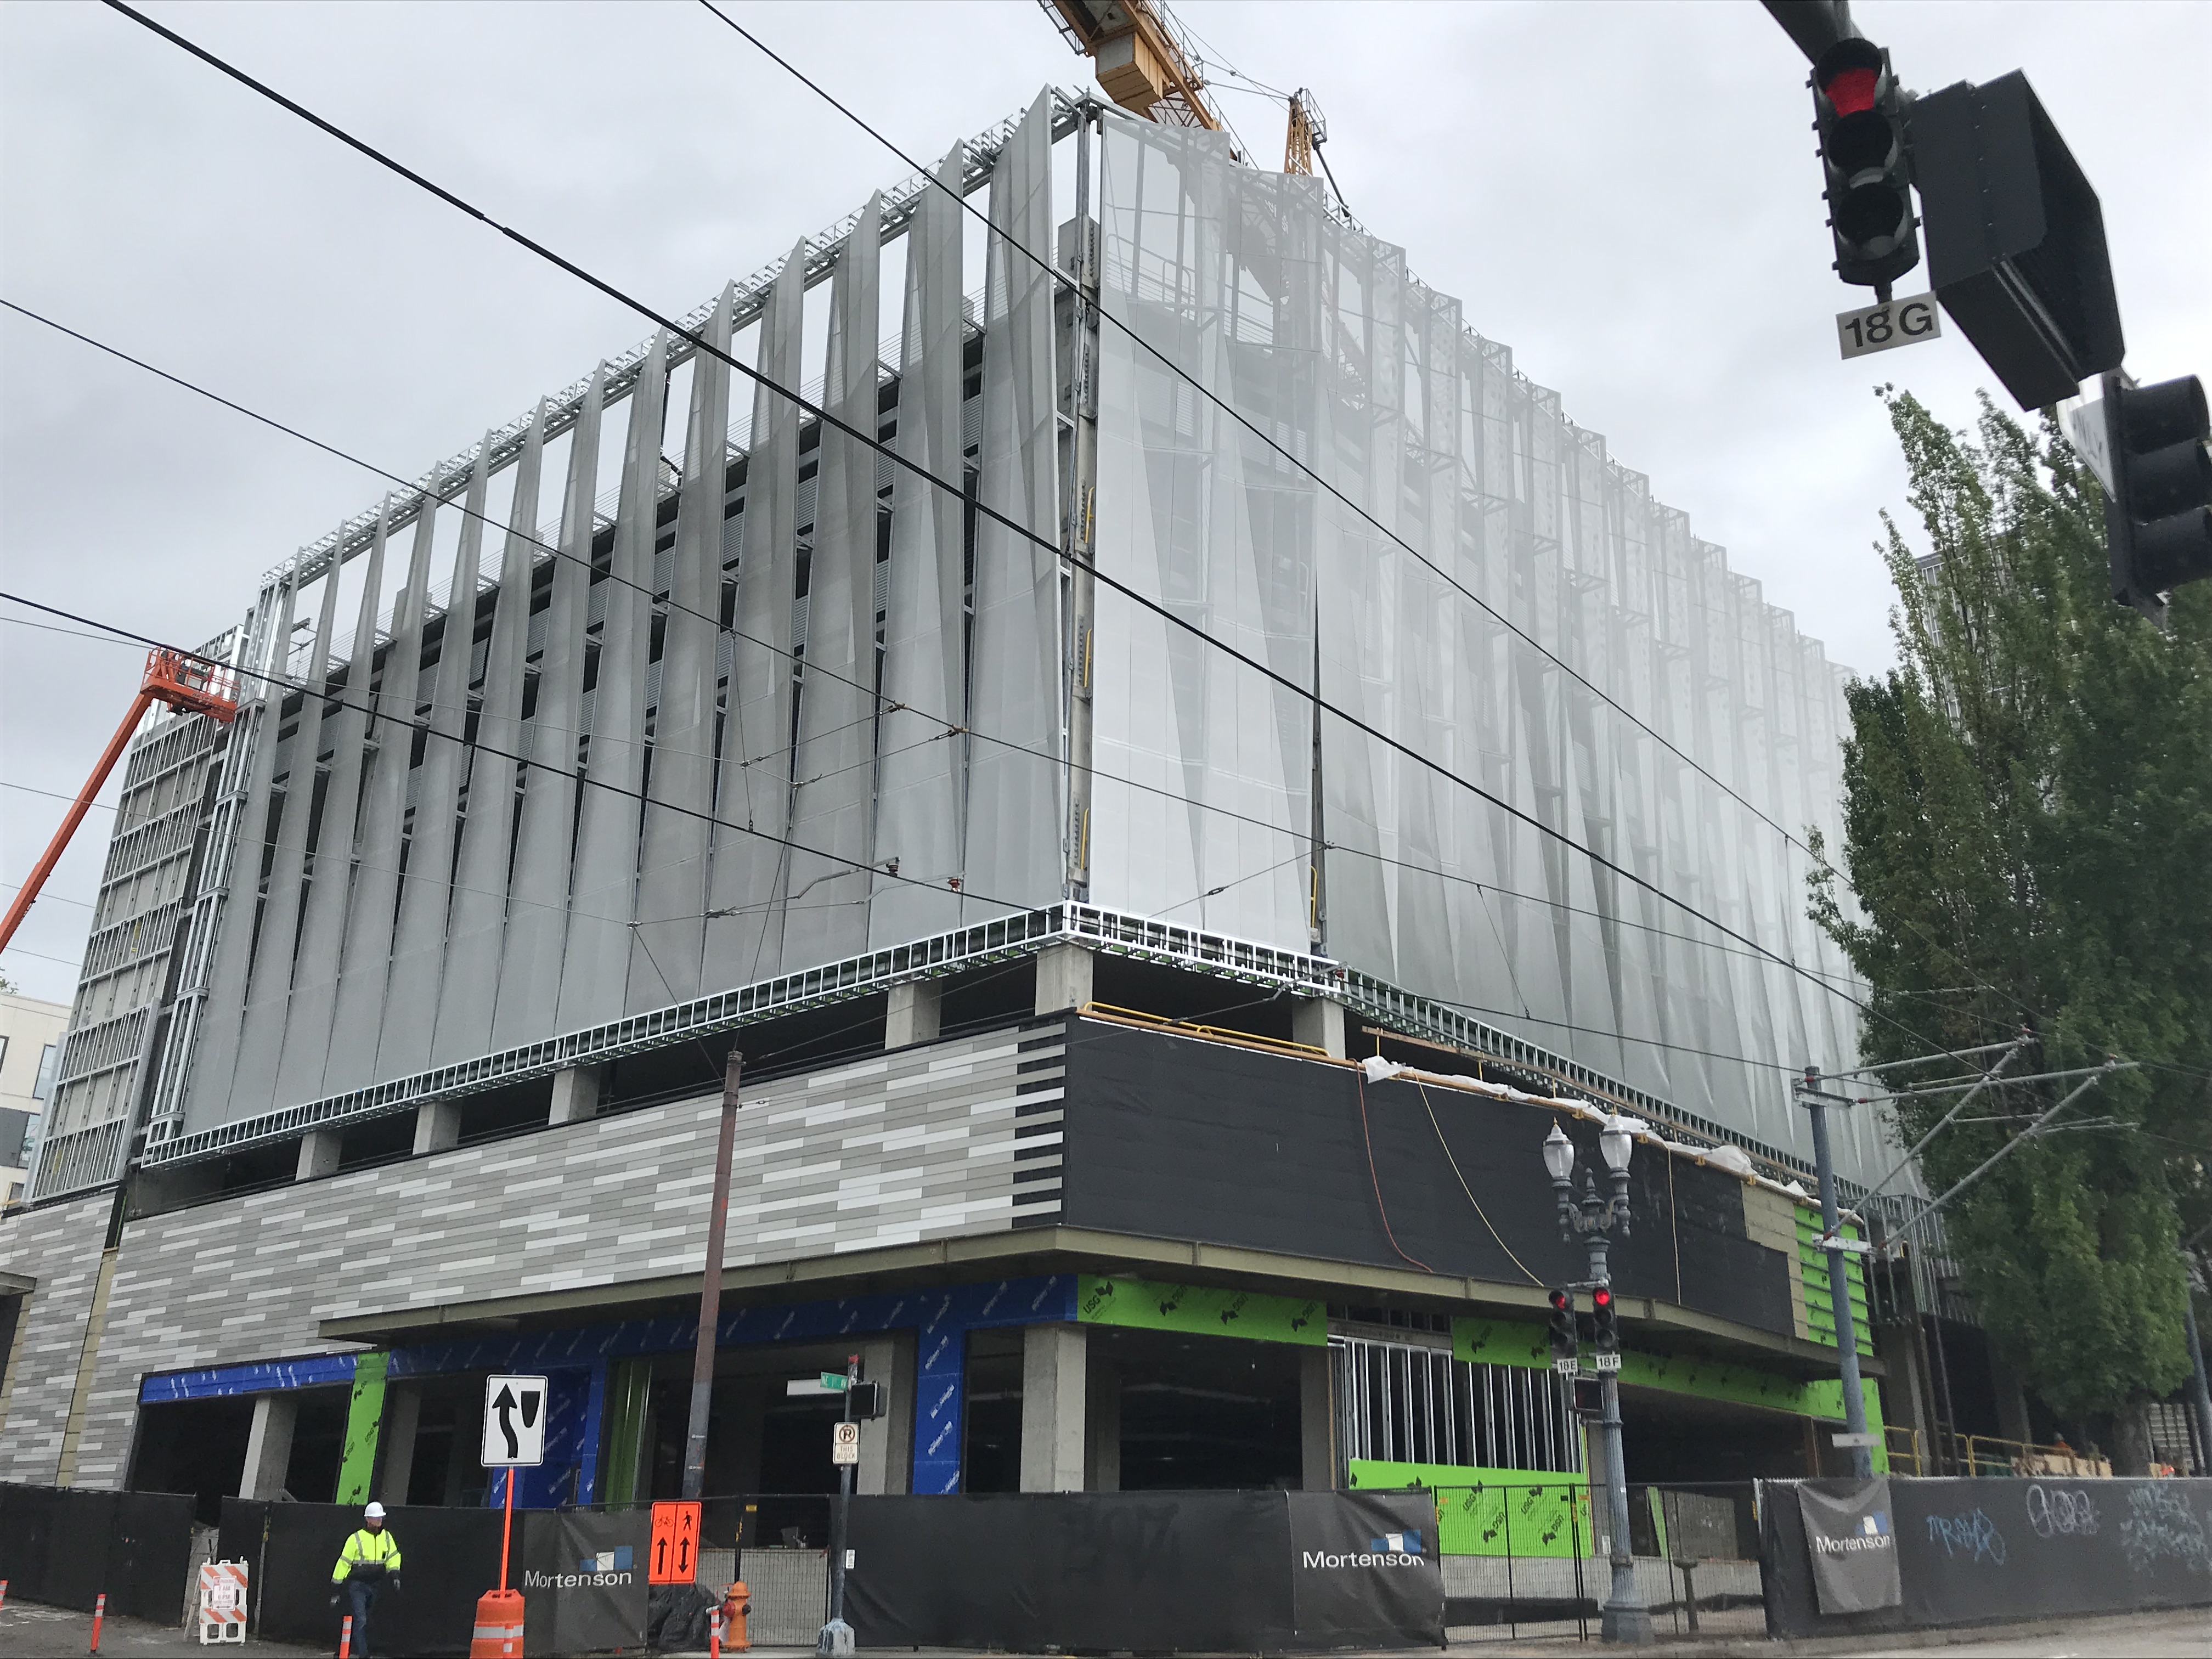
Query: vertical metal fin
(410,1002)
(532,953)
(744,941)
(1014,853)
(671,883)
(595,973)
(921,761)
(833,774)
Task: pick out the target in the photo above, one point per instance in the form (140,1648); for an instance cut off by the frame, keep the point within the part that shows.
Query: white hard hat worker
(368,1563)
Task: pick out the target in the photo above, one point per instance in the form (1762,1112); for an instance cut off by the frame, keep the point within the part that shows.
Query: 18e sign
(1880,328)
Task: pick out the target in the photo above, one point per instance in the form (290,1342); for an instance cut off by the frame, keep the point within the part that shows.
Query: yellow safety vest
(367,1549)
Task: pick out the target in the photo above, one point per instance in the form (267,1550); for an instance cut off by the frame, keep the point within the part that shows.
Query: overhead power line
(982,509)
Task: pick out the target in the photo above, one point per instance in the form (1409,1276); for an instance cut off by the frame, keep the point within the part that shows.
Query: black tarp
(1981,1551)
(1177,1139)
(448,1557)
(67,1547)
(1149,1571)
(582,1578)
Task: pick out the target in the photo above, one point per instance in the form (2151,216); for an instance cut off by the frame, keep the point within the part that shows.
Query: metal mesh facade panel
(1317,336)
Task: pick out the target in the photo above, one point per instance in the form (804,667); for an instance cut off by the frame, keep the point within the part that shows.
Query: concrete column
(318,1154)
(1101,1431)
(269,1445)
(1320,1024)
(1316,1422)
(913,1015)
(1052,1407)
(437,1127)
(1063,978)
(575,1094)
(399,1428)
(887,1442)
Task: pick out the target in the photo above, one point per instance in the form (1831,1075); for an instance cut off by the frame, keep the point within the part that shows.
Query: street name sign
(844,1442)
(514,1422)
(1883,328)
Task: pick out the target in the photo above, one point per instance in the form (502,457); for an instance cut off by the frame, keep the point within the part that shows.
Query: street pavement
(28,1631)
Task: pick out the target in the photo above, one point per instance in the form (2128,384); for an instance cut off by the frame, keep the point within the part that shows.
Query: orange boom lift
(190,685)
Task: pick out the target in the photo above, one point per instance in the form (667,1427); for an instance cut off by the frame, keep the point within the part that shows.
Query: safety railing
(1524,1558)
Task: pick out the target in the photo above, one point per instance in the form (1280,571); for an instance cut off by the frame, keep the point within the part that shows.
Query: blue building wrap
(574,1363)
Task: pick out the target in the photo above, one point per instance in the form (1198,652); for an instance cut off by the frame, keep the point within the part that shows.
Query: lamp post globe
(1559,1155)
(1616,1143)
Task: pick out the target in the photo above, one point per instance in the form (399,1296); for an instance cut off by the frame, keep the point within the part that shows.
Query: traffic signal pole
(1839,1280)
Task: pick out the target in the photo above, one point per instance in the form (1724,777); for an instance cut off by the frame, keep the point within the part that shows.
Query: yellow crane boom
(1143,61)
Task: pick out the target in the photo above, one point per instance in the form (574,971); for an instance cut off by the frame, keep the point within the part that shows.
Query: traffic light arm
(1813,25)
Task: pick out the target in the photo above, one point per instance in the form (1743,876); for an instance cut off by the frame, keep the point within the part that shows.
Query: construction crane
(190,685)
(1149,67)
(1145,63)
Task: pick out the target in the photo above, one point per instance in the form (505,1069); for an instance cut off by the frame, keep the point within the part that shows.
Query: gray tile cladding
(889,1149)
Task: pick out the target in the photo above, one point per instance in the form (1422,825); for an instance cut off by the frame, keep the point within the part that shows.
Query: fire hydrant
(735,1600)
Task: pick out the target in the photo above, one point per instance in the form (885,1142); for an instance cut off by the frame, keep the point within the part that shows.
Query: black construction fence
(67,1547)
(1969,1551)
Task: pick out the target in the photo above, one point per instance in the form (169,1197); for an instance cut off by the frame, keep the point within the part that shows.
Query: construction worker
(369,1561)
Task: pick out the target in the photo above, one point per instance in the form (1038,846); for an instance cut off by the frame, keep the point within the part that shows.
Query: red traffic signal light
(1605,1321)
(1565,1340)
(1859,113)
(1602,1296)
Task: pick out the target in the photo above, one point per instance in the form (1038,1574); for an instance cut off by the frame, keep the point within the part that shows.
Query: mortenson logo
(1393,1549)
(532,1579)
(1873,1534)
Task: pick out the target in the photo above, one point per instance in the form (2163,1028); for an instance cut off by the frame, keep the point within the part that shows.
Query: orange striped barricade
(222,1602)
(499,1626)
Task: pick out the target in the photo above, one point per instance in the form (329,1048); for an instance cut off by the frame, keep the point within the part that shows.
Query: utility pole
(710,1286)
(1817,1101)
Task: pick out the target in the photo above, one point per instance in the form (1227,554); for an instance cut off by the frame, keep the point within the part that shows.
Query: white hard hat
(374,1512)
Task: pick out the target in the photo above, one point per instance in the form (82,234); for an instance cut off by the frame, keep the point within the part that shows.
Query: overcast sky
(1624,194)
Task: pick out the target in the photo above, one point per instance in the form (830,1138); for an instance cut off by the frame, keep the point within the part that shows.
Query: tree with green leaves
(2027,834)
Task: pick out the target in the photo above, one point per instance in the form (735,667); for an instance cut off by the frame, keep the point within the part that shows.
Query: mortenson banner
(1845,1556)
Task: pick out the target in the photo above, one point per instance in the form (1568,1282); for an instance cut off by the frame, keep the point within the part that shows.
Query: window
(1403,1403)
(44,1085)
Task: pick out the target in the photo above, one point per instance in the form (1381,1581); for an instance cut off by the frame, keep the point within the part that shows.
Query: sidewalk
(29,1631)
(2185,1633)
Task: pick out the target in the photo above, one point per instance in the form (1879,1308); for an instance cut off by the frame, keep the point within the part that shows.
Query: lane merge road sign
(514,1422)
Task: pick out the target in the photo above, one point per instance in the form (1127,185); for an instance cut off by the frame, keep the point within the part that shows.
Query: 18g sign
(1880,328)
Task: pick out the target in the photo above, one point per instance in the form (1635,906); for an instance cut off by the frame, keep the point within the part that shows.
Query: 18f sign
(1878,328)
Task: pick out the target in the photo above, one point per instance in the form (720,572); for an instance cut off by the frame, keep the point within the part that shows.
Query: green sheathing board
(628,1388)
(364,1413)
(1200,1310)
(1507,1342)
(1820,1294)
(1520,1512)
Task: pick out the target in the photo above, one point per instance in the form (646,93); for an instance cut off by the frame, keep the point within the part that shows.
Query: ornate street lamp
(1625,1616)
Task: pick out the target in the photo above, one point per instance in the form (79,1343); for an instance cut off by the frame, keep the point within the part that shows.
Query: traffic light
(2015,237)
(868,1401)
(1565,1342)
(2158,513)
(1605,1321)
(1859,113)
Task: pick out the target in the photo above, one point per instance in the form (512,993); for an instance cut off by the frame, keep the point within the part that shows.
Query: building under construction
(1180,661)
